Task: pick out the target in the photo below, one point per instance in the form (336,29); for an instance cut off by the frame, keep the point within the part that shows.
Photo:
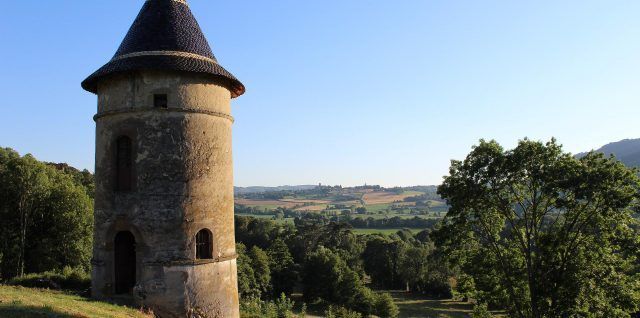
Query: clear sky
(347,91)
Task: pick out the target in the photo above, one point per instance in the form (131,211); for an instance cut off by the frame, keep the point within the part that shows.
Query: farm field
(391,202)
(387,197)
(20,302)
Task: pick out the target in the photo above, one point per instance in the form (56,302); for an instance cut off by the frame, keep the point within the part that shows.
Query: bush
(75,279)
(284,306)
(385,307)
(341,312)
(256,308)
(481,311)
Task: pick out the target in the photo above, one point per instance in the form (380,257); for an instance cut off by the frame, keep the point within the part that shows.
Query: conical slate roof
(165,36)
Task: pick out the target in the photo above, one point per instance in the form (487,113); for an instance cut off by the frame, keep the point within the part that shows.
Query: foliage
(46,217)
(385,307)
(382,257)
(341,312)
(254,274)
(256,308)
(67,279)
(284,273)
(329,278)
(543,233)
(481,311)
(261,270)
(284,306)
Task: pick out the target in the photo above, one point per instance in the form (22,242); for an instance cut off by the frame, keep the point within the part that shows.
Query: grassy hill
(20,302)
(627,151)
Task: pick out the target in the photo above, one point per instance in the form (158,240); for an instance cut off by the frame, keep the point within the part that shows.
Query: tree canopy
(544,233)
(46,216)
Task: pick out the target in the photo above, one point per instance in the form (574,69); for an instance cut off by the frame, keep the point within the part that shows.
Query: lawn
(412,306)
(20,302)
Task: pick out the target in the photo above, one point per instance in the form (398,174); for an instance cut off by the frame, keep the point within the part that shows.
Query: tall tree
(544,233)
(46,217)
(284,274)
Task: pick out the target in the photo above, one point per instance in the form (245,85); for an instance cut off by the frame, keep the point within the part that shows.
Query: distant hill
(245,190)
(627,151)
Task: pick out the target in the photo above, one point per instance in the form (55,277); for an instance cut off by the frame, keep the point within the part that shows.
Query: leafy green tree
(260,264)
(284,274)
(414,266)
(246,276)
(381,257)
(327,277)
(46,217)
(544,233)
(254,275)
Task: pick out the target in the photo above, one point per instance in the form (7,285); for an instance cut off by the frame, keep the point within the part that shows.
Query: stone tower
(164,225)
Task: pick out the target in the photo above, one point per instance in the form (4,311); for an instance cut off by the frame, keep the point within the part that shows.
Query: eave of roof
(165,37)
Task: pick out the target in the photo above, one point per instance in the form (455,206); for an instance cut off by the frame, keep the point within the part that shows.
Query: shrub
(68,279)
(284,306)
(341,312)
(257,308)
(384,306)
(481,311)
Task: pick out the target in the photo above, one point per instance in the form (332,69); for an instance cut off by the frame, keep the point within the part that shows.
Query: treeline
(46,212)
(360,222)
(329,264)
(317,192)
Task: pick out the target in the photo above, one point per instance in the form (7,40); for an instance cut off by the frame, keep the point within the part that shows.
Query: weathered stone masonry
(179,171)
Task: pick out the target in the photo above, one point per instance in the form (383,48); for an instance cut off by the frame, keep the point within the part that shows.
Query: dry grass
(20,302)
(312,208)
(386,197)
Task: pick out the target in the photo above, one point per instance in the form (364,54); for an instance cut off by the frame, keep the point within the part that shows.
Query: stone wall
(183,182)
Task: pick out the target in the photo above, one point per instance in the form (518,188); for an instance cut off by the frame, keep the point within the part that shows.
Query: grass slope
(20,302)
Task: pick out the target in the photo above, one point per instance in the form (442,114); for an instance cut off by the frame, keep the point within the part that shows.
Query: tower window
(204,244)
(160,101)
(124,163)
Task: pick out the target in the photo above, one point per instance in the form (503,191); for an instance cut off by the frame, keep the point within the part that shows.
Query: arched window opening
(124,163)
(204,244)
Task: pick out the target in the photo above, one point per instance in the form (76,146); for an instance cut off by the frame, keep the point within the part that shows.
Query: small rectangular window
(160,101)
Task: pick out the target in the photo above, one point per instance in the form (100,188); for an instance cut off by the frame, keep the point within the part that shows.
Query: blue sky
(348,92)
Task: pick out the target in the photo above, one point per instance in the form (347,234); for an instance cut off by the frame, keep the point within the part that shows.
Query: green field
(20,302)
(412,306)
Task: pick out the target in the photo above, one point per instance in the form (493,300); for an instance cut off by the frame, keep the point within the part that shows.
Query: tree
(46,217)
(327,277)
(254,276)
(284,275)
(262,273)
(544,233)
(382,256)
(246,276)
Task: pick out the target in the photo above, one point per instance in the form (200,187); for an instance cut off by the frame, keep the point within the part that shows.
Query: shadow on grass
(17,310)
(418,306)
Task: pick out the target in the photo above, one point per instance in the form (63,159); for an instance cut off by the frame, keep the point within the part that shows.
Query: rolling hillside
(627,151)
